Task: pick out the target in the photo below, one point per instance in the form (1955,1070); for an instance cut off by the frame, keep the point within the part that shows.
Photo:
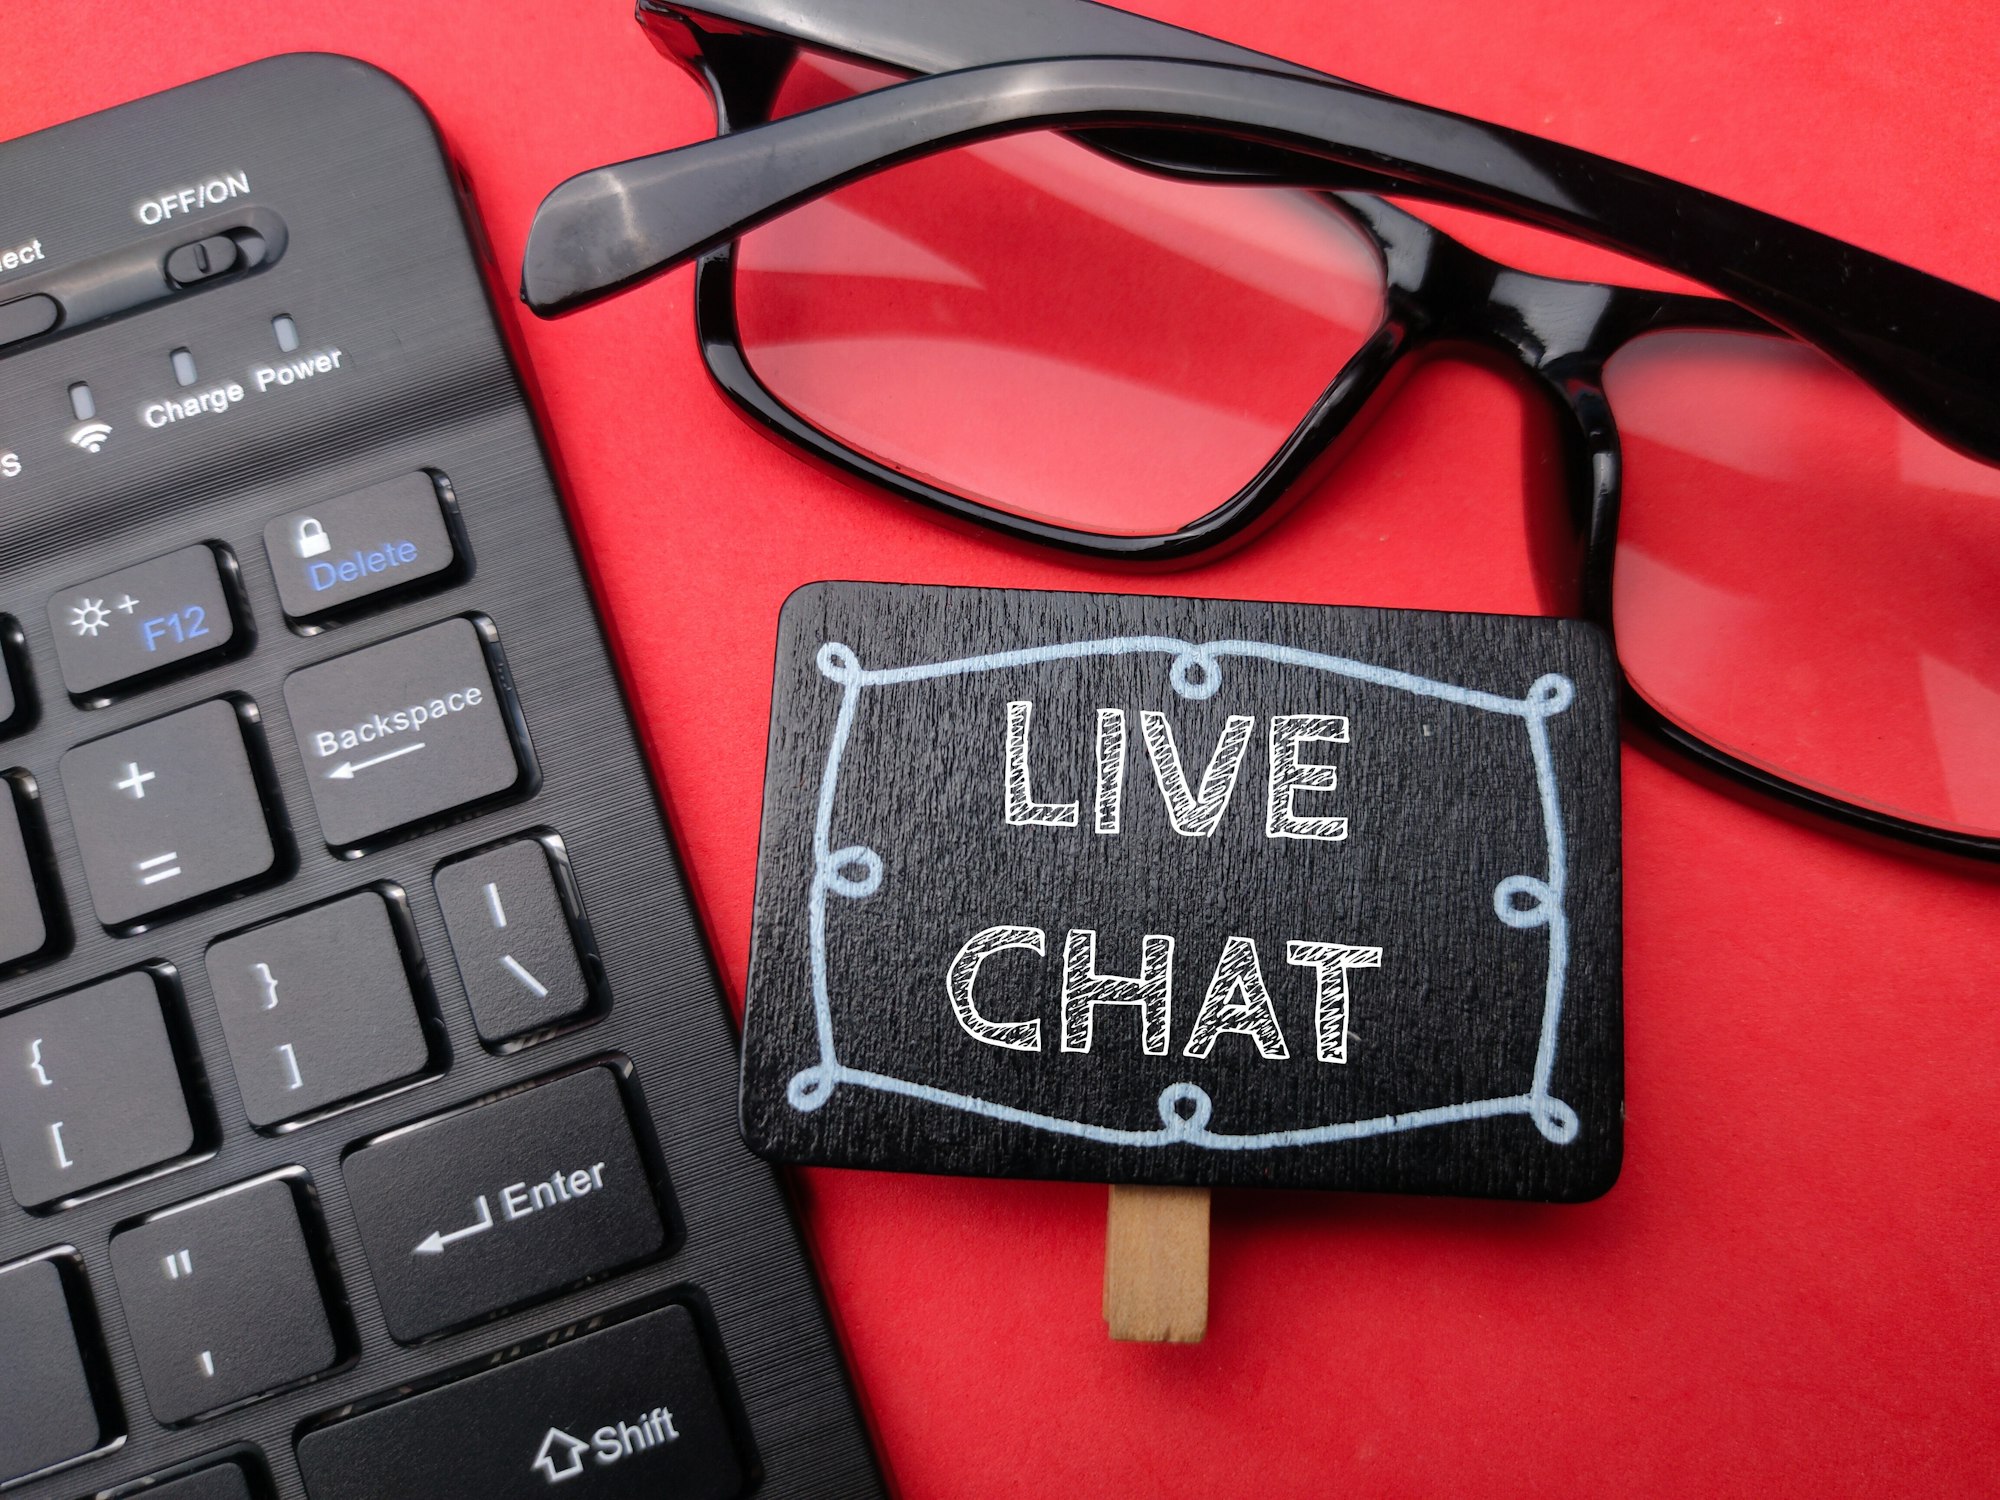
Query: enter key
(487,1208)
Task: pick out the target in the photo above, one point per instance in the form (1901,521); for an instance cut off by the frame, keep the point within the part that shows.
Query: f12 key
(142,620)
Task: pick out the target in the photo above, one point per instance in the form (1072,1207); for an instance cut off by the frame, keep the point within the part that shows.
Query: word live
(1194,812)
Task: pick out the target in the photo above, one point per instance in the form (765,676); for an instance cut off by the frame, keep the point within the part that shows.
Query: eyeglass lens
(1031,325)
(1805,578)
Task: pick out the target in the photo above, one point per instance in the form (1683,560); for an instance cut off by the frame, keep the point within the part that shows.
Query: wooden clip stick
(1156,1264)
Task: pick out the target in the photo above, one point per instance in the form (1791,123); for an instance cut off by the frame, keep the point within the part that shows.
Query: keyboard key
(89,1090)
(491,1207)
(390,536)
(222,1300)
(24,929)
(10,701)
(317,1008)
(402,731)
(167,812)
(141,620)
(627,1413)
(512,937)
(44,1393)
(223,1482)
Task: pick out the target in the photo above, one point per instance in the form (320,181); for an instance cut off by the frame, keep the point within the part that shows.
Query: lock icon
(311,539)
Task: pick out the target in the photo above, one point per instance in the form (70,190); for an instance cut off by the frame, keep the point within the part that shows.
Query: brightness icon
(89,617)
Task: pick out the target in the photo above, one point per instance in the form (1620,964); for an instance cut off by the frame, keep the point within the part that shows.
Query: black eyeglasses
(1126,299)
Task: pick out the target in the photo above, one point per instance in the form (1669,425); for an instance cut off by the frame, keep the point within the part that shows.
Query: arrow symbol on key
(434,1243)
(346,769)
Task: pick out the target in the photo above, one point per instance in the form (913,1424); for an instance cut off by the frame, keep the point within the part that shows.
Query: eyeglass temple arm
(943,36)
(1930,347)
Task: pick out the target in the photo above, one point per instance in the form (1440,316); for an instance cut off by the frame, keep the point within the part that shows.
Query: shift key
(400,732)
(490,1207)
(629,1412)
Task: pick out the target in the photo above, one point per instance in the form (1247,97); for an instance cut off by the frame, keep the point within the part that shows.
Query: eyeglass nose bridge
(1450,292)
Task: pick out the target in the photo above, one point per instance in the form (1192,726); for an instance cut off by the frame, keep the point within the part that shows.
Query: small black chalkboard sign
(1166,890)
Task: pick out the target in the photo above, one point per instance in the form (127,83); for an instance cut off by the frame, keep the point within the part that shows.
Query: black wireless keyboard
(367,1102)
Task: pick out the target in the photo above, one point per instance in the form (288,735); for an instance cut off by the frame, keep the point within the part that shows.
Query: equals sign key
(151,871)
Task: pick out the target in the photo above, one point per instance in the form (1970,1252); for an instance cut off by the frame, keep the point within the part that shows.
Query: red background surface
(1792,1288)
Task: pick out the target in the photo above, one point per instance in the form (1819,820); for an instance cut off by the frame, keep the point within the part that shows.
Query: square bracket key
(317,1008)
(168,812)
(89,1090)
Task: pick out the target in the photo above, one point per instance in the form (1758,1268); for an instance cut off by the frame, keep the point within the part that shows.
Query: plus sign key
(168,812)
(401,731)
(141,620)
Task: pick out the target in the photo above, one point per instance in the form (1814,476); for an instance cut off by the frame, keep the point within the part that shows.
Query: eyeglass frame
(1911,336)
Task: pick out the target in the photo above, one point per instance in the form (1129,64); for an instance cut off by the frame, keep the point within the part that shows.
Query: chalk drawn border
(854,873)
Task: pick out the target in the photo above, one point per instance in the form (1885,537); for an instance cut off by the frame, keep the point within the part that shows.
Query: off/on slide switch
(204,260)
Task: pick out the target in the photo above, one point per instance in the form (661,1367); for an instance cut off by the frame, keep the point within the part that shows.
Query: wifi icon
(90,436)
